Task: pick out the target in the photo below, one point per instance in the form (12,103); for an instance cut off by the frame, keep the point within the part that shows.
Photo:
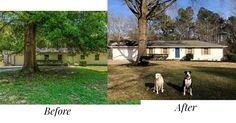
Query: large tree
(81,31)
(144,10)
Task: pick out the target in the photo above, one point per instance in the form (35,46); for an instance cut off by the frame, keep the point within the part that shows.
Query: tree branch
(131,8)
(162,10)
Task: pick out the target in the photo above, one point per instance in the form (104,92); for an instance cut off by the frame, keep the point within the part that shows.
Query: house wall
(130,53)
(17,59)
(124,53)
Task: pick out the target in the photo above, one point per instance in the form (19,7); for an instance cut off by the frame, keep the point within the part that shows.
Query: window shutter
(209,51)
(186,51)
(161,50)
(193,50)
(168,51)
(202,51)
(153,50)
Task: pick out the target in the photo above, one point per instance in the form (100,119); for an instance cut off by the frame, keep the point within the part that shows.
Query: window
(60,57)
(97,57)
(190,50)
(165,51)
(46,57)
(151,51)
(205,51)
(82,57)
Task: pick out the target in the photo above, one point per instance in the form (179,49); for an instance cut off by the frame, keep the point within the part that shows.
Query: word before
(185,107)
(57,111)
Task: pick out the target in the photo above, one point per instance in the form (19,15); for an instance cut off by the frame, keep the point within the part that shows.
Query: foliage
(184,22)
(189,57)
(231,57)
(85,31)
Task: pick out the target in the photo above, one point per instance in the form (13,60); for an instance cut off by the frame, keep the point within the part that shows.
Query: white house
(201,50)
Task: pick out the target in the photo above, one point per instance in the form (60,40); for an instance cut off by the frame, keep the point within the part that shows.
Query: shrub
(231,57)
(83,63)
(189,57)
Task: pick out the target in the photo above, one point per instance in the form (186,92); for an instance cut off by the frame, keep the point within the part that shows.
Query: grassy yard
(57,85)
(211,80)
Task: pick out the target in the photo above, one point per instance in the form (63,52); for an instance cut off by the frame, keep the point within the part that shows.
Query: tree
(81,31)
(164,27)
(184,22)
(144,10)
(209,24)
(120,27)
(230,28)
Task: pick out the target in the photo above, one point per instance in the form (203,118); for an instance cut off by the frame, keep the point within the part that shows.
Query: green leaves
(84,30)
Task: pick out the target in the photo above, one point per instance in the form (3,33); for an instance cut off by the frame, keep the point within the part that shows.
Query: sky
(223,7)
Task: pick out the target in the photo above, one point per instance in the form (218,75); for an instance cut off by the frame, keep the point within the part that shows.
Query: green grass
(211,81)
(57,85)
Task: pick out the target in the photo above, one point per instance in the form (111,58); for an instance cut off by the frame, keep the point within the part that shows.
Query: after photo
(172,50)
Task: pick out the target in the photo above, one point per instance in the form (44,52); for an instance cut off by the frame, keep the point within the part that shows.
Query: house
(58,56)
(201,50)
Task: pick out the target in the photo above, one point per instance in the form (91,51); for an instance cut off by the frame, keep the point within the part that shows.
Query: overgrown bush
(189,57)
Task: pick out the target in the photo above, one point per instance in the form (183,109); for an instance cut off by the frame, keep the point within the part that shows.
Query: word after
(56,111)
(185,108)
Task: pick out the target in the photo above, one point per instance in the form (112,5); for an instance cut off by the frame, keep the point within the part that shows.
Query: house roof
(183,43)
(55,50)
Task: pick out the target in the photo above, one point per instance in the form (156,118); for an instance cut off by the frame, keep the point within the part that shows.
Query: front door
(177,53)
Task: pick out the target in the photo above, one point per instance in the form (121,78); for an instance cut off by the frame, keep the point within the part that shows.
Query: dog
(159,83)
(187,83)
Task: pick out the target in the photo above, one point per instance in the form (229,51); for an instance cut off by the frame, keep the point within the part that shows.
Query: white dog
(159,84)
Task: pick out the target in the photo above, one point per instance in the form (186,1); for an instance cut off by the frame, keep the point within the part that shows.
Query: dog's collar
(188,78)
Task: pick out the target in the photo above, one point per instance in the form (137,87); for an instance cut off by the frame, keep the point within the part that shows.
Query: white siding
(124,53)
(130,53)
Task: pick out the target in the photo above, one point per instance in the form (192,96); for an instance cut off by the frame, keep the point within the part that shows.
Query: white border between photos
(53,5)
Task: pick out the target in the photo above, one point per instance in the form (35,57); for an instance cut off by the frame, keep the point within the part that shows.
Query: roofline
(174,46)
(190,46)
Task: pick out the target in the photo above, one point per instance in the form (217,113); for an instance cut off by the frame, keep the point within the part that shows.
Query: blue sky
(223,7)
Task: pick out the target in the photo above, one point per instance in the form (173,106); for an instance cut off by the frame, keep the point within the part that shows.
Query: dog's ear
(190,71)
(185,72)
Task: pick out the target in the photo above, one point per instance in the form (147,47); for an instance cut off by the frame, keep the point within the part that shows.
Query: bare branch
(128,3)
(162,10)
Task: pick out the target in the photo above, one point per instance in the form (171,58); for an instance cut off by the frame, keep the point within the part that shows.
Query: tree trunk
(143,28)
(30,64)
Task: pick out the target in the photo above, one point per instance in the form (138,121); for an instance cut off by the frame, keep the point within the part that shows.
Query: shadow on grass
(176,87)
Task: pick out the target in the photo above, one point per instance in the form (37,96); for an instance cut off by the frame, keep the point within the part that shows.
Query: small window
(190,50)
(165,51)
(46,57)
(97,57)
(206,52)
(82,57)
(60,57)
(151,51)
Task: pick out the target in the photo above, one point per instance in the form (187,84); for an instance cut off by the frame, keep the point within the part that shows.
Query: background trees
(24,31)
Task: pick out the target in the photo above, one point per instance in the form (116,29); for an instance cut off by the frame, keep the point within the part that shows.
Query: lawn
(211,80)
(57,85)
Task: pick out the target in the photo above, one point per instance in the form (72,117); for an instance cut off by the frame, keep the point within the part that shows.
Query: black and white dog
(187,83)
